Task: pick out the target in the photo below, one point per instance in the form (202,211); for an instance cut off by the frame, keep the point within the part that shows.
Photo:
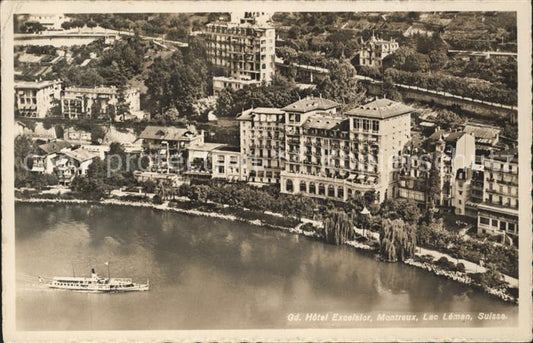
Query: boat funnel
(93,273)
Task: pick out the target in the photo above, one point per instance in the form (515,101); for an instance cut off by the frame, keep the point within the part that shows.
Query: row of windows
(501,224)
(231,170)
(27,100)
(366,124)
(222,159)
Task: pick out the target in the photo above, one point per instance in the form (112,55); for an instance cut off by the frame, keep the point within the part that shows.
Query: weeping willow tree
(338,228)
(397,240)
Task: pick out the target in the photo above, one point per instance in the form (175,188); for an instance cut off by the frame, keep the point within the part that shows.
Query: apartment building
(413,174)
(245,49)
(334,155)
(226,163)
(49,21)
(498,213)
(84,102)
(72,163)
(374,50)
(487,136)
(262,142)
(166,146)
(468,190)
(454,151)
(35,99)
(45,161)
(200,160)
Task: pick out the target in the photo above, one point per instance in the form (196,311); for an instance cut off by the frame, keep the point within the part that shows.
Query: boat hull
(135,288)
(142,288)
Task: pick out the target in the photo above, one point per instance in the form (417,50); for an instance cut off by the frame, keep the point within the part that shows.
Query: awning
(197,154)
(360,177)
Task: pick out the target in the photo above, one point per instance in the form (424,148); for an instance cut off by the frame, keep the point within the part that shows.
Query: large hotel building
(309,147)
(244,47)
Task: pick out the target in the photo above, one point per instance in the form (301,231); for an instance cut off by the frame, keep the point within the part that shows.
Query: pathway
(470,267)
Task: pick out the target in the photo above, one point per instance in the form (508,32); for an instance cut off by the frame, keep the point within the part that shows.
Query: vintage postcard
(266,171)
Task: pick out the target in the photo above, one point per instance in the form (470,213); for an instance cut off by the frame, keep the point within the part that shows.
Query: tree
(338,227)
(416,62)
(96,109)
(60,132)
(24,149)
(159,84)
(97,134)
(397,240)
(55,109)
(340,84)
(199,193)
(401,209)
(448,120)
(33,27)
(111,112)
(123,107)
(149,186)
(437,59)
(97,170)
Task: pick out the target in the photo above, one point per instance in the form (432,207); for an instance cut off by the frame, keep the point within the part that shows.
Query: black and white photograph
(251,168)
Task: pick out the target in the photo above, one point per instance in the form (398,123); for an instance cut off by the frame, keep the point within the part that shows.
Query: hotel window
(375,125)
(502,225)
(484,220)
(221,169)
(356,123)
(494,222)
(511,227)
(366,124)
(233,159)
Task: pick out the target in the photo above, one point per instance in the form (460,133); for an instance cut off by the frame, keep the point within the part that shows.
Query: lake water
(209,273)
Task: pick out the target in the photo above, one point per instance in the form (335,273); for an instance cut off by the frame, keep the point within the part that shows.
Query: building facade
(498,213)
(50,22)
(81,102)
(226,163)
(35,99)
(455,151)
(311,148)
(374,50)
(245,49)
(166,147)
(262,142)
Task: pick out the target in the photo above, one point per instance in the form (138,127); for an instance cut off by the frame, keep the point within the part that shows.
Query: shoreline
(432,268)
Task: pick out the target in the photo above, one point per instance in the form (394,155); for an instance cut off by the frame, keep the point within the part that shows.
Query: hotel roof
(80,155)
(100,90)
(228,148)
(35,84)
(380,109)
(249,113)
(482,131)
(167,133)
(205,147)
(324,122)
(448,137)
(54,147)
(311,104)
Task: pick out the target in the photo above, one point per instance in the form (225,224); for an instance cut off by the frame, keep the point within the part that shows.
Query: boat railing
(122,280)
